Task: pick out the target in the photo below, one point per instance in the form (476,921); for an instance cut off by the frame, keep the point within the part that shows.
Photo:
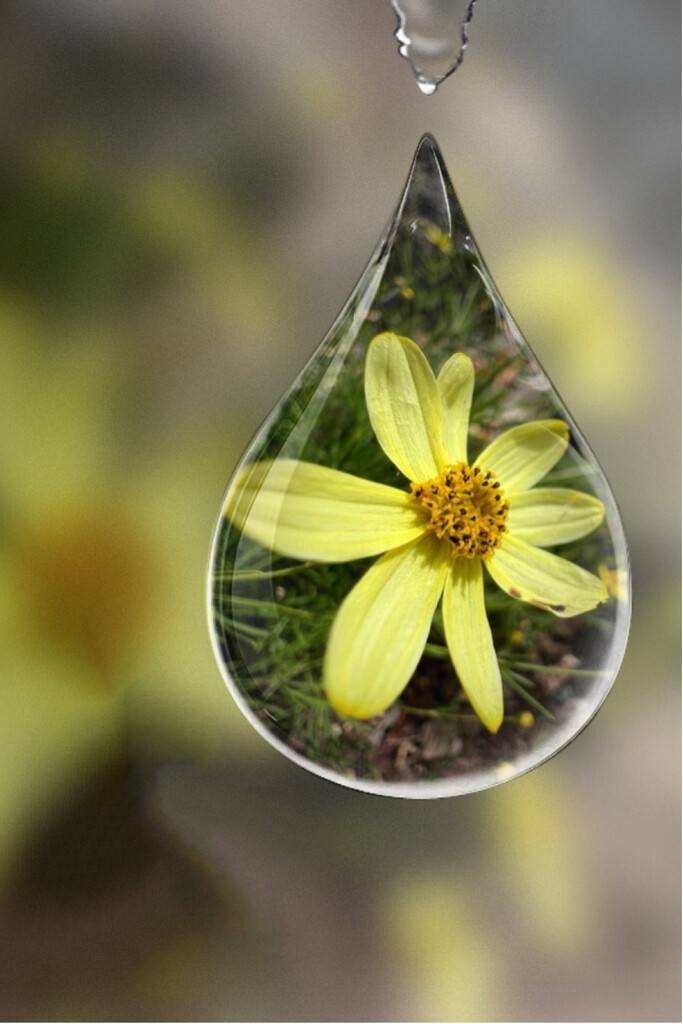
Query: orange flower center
(466,507)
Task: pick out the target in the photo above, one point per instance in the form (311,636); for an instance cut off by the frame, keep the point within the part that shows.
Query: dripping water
(433,37)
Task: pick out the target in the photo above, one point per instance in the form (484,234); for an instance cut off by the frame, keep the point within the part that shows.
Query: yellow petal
(312,512)
(404,406)
(544,579)
(470,643)
(455,382)
(553,515)
(523,455)
(381,628)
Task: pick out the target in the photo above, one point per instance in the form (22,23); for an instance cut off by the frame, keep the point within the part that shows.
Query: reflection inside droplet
(432,36)
(361,626)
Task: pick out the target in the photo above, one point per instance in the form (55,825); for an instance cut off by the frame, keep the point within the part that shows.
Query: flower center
(466,507)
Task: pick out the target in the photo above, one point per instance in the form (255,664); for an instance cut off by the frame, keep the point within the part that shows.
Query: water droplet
(326,589)
(432,36)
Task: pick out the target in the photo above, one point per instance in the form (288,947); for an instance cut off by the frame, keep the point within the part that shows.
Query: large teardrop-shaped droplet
(419,581)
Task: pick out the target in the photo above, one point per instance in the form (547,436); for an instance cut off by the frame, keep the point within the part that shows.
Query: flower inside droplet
(466,507)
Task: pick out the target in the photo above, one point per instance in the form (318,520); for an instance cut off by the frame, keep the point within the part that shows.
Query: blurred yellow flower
(439,238)
(582,315)
(435,538)
(616,581)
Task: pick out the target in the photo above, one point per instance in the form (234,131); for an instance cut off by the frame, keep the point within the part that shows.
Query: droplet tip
(427,86)
(426,144)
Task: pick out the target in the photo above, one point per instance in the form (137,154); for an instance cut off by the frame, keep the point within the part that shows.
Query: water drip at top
(419,582)
(433,36)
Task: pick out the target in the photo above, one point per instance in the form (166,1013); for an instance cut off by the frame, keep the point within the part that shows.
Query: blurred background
(189,193)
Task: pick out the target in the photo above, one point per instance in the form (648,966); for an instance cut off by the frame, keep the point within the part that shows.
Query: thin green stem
(555,669)
(269,608)
(437,712)
(246,575)
(515,683)
(437,651)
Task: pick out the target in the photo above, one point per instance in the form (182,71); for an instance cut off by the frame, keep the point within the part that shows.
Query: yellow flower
(436,538)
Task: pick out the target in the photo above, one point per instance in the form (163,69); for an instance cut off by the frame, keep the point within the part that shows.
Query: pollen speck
(463,495)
